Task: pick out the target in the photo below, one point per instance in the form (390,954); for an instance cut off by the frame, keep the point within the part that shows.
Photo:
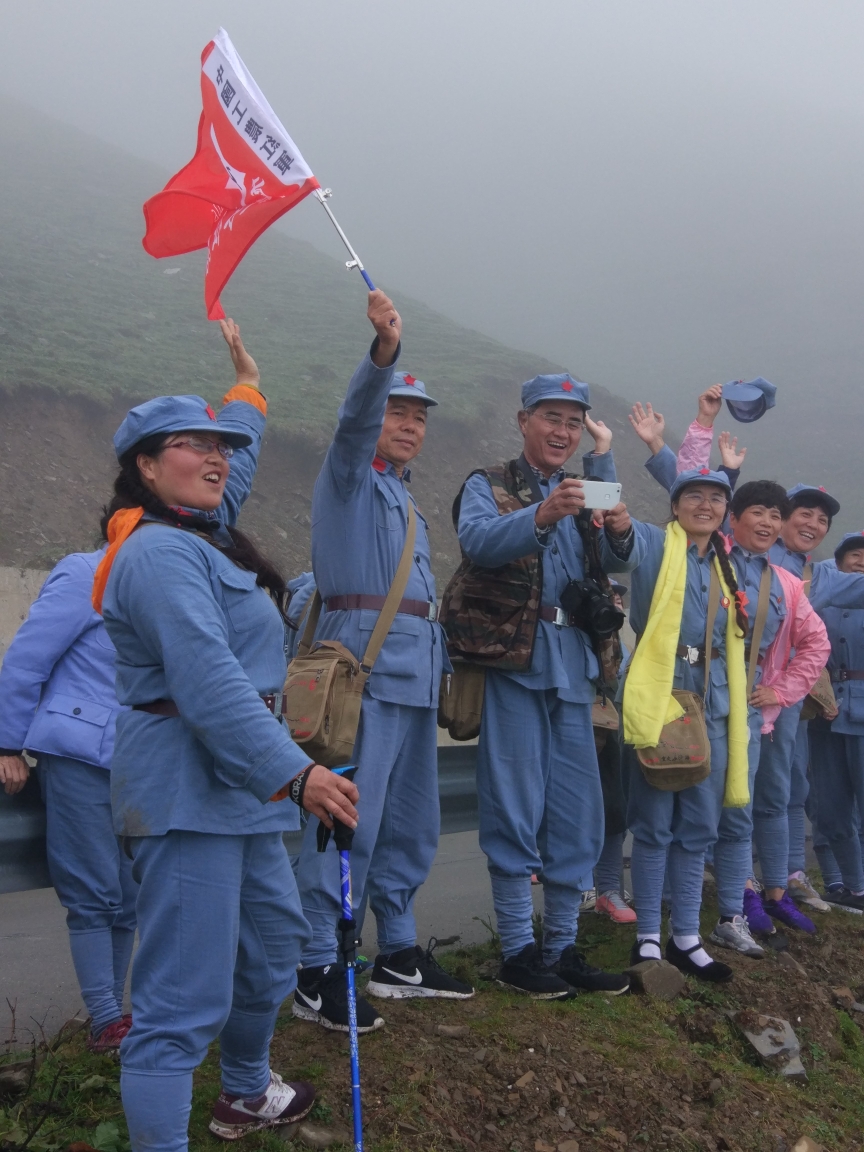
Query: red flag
(246,173)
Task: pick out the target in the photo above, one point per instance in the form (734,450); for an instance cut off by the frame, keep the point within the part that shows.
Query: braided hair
(130,491)
(719,545)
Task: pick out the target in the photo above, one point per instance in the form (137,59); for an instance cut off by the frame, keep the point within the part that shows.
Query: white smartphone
(601,494)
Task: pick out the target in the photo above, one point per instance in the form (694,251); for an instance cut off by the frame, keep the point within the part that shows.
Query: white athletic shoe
(589,900)
(803,892)
(736,935)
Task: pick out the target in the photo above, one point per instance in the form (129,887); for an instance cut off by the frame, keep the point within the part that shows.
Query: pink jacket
(804,631)
(695,450)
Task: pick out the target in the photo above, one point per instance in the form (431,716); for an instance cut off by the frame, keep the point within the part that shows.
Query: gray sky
(658,194)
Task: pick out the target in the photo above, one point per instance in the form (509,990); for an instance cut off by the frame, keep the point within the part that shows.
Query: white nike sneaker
(736,935)
(413,972)
(281,1103)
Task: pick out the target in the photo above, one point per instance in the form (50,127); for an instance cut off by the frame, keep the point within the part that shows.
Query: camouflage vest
(490,615)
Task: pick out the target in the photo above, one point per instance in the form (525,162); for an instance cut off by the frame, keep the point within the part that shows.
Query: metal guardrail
(22,820)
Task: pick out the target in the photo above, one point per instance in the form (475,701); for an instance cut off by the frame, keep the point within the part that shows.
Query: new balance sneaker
(716,972)
(803,892)
(108,1041)
(841,897)
(322,997)
(613,905)
(757,918)
(579,974)
(735,934)
(526,972)
(281,1103)
(413,972)
(785,911)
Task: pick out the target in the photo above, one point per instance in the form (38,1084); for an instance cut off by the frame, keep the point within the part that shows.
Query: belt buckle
(432,614)
(562,618)
(692,656)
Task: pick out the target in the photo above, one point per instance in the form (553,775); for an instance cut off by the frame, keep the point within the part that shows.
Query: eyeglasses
(694,499)
(556,422)
(203,446)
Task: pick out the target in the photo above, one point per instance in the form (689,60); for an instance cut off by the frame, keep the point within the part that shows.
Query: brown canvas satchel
(460,702)
(682,756)
(324,686)
(820,700)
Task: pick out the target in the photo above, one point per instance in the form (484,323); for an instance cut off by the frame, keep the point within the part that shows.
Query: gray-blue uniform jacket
(359,521)
(563,658)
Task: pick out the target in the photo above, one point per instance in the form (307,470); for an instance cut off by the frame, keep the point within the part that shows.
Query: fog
(658,195)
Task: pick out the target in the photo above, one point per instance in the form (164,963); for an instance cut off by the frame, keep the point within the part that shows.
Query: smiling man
(359,524)
(538,783)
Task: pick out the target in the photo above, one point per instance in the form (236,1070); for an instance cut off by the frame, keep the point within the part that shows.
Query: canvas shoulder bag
(682,756)
(324,686)
(460,701)
(820,700)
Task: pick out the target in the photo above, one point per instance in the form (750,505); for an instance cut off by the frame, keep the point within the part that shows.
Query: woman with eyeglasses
(683,576)
(202,767)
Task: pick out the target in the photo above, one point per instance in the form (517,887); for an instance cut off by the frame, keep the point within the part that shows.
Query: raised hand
(729,454)
(648,426)
(601,435)
(710,403)
(388,327)
(244,365)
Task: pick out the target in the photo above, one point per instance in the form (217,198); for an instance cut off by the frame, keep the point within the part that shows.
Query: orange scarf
(120,527)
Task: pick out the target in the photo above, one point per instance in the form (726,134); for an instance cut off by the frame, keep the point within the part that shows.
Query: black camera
(591,609)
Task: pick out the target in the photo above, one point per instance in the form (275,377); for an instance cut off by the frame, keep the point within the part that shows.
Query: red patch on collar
(210,412)
(567,386)
(379,465)
(410,380)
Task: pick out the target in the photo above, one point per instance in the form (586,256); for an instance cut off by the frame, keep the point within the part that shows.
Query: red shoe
(282,1103)
(613,905)
(109,1039)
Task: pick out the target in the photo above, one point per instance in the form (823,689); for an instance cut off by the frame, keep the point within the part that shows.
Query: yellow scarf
(652,669)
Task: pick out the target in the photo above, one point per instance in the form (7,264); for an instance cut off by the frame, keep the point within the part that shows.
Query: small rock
(453,1031)
(580,1079)
(843,998)
(539,1146)
(805,1144)
(480,1055)
(715,1086)
(286,1132)
(568,1146)
(656,978)
(525,1080)
(615,1134)
(774,1042)
(14,1079)
(787,960)
(317,1136)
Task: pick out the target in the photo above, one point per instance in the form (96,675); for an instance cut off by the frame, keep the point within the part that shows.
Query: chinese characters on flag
(246,173)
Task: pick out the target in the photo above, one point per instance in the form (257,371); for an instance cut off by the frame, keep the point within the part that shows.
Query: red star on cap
(410,380)
(821,489)
(210,412)
(567,386)
(704,471)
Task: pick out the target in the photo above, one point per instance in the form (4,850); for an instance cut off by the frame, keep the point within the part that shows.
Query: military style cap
(700,476)
(850,541)
(561,387)
(404,384)
(618,587)
(832,506)
(168,414)
(748,400)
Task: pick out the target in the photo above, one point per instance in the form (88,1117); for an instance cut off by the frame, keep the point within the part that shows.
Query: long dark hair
(130,491)
(719,545)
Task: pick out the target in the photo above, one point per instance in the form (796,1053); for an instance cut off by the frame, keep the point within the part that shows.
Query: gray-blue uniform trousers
(538,784)
(837,747)
(219,917)
(359,521)
(786,780)
(676,829)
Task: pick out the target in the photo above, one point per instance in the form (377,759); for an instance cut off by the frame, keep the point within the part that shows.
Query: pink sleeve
(695,450)
(812,649)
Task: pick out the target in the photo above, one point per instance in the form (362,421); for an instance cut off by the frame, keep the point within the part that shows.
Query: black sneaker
(716,972)
(842,898)
(413,972)
(578,973)
(526,972)
(322,997)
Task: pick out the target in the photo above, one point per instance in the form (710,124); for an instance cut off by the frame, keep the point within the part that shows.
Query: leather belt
(695,655)
(841,674)
(355,601)
(168,708)
(760,659)
(556,616)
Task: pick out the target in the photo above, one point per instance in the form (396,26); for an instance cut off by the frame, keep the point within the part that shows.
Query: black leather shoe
(716,972)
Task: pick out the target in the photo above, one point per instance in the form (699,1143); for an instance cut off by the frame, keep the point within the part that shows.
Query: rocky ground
(598,1074)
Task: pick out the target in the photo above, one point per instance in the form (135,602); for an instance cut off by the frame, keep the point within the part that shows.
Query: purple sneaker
(757,918)
(785,911)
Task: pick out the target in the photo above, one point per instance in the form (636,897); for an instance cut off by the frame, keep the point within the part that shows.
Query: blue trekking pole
(343,837)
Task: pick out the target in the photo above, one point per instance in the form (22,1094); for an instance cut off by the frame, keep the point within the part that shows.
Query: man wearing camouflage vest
(538,783)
